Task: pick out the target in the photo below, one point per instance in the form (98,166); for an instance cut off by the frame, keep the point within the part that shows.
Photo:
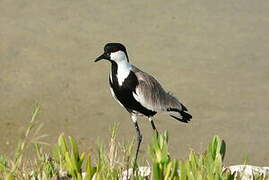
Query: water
(213,55)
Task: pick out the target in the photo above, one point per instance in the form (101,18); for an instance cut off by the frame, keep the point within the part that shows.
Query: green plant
(69,157)
(208,165)
(111,160)
(162,166)
(13,168)
(109,164)
(44,166)
(197,167)
(90,170)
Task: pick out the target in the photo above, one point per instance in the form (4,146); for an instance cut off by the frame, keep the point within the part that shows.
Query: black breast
(124,93)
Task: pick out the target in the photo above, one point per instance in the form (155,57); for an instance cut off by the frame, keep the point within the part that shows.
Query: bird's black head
(114,52)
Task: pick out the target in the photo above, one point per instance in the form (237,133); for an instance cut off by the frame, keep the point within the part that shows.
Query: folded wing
(151,95)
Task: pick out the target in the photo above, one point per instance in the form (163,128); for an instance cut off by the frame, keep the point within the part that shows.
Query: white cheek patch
(118,56)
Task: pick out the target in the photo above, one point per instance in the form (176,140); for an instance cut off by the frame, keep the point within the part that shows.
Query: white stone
(142,171)
(247,171)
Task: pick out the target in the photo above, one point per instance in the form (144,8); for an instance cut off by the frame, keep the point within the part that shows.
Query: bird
(139,92)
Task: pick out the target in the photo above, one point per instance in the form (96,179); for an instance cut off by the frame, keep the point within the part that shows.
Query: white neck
(123,71)
(124,67)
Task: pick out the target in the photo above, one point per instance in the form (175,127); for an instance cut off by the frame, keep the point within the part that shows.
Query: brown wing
(151,95)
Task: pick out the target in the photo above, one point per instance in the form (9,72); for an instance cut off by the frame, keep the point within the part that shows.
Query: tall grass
(65,160)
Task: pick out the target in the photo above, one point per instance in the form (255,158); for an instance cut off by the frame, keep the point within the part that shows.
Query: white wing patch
(176,114)
(140,98)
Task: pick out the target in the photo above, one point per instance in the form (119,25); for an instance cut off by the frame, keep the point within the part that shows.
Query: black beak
(103,56)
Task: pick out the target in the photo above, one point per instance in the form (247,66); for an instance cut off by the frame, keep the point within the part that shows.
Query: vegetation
(65,160)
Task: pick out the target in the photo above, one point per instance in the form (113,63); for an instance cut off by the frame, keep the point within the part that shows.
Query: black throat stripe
(124,93)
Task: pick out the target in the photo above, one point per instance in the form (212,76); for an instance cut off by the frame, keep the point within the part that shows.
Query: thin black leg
(153,125)
(139,139)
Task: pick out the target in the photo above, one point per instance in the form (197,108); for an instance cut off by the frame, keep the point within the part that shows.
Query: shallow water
(213,55)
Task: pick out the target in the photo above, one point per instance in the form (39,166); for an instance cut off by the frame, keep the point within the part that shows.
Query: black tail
(186,117)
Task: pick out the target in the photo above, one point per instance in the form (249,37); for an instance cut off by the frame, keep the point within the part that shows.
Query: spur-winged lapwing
(138,92)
